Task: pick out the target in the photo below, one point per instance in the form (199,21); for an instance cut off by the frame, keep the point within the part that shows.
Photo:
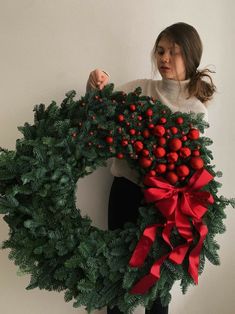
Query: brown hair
(190,43)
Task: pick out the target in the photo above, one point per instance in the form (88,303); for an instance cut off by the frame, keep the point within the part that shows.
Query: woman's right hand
(97,79)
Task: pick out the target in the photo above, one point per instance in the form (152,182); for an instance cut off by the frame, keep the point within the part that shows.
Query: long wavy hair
(191,46)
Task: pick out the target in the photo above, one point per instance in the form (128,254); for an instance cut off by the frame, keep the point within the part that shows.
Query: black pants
(124,201)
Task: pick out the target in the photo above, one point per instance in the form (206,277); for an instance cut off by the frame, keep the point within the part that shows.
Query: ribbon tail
(143,246)
(146,282)
(194,255)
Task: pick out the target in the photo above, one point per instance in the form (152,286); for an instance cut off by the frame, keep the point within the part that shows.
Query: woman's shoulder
(198,107)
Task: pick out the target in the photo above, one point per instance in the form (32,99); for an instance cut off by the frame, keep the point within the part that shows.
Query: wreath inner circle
(179,216)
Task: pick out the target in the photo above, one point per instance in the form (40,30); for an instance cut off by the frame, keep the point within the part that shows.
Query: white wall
(49,47)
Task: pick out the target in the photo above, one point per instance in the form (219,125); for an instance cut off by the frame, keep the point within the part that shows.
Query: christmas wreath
(180,215)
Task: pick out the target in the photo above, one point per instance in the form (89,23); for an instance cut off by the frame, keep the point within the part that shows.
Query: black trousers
(124,200)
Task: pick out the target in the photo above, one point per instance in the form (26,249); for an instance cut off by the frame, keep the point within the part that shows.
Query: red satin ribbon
(179,205)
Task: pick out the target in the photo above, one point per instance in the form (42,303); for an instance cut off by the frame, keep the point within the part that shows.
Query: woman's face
(170,61)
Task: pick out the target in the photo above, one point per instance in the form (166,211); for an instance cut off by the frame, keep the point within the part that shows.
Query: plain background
(50,47)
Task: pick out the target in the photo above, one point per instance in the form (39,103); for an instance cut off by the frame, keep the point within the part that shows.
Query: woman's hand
(97,79)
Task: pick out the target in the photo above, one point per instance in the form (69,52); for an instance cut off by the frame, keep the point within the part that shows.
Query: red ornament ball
(193,134)
(159,152)
(182,171)
(159,130)
(172,157)
(185,152)
(172,177)
(138,146)
(175,144)
(161,141)
(196,162)
(145,162)
(160,168)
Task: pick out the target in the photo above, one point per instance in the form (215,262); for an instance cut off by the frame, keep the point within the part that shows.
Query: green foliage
(49,239)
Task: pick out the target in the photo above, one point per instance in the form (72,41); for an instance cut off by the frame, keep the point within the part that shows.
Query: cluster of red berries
(169,156)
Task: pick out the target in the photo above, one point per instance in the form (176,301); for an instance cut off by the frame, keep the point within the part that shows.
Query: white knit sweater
(169,92)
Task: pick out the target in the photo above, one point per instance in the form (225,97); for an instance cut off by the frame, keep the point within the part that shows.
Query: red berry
(132,107)
(149,112)
(138,146)
(151,126)
(174,130)
(132,131)
(170,166)
(152,173)
(121,117)
(109,140)
(196,152)
(74,134)
(124,142)
(179,120)
(120,156)
(145,152)
(184,138)
(146,133)
(140,118)
(162,120)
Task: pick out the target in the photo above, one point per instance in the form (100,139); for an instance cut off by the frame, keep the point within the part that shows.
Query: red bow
(182,207)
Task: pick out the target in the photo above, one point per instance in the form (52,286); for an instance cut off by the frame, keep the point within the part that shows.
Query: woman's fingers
(104,81)
(98,79)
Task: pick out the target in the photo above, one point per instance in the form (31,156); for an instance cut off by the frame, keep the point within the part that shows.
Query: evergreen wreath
(178,219)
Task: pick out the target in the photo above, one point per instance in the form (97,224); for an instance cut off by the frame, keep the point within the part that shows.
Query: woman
(176,54)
